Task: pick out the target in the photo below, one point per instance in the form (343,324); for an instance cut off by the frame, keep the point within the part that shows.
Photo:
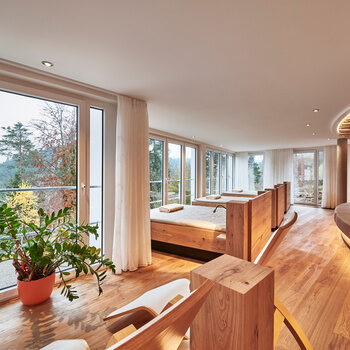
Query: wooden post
(237,233)
(238,313)
(342,168)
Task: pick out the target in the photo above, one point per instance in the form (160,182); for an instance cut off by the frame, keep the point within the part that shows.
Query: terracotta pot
(35,292)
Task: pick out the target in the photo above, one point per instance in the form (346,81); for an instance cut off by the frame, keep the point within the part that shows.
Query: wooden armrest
(172,302)
(118,336)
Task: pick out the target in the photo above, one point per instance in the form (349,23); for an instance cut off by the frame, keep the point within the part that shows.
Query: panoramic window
(216,173)
(96,174)
(174,173)
(230,173)
(320,177)
(308,176)
(190,175)
(223,173)
(156,155)
(255,171)
(38,160)
(208,172)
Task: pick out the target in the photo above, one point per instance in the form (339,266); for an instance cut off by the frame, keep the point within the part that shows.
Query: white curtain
(278,167)
(348,173)
(329,195)
(132,238)
(269,167)
(241,171)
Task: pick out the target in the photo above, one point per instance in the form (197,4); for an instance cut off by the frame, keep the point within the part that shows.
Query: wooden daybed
(244,232)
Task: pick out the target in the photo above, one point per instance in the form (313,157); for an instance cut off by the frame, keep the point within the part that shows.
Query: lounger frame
(248,229)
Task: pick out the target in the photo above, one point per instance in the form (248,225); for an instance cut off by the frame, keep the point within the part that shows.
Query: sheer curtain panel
(132,238)
(329,195)
(241,171)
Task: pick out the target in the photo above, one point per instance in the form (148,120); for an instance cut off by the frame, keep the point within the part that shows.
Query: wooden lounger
(248,229)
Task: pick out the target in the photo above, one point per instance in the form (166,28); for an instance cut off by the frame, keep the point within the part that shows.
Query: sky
(18,108)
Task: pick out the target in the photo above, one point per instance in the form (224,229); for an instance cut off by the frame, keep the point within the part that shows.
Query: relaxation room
(174,175)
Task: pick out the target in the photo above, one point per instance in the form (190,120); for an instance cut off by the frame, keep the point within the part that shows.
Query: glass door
(190,174)
(38,160)
(156,162)
(305,184)
(174,180)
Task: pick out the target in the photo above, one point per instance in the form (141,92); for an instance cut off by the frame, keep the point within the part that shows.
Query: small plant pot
(36,292)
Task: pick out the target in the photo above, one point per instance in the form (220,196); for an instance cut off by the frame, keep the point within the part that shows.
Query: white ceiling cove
(244,74)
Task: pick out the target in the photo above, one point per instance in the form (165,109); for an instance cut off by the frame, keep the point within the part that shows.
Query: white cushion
(69,344)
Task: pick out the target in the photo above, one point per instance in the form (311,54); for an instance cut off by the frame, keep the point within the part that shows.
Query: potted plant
(48,246)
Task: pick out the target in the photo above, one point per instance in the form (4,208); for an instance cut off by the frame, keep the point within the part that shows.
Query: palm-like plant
(55,244)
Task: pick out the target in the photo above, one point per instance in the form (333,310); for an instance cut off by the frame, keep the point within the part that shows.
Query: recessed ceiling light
(313,134)
(47,63)
(307,124)
(316,110)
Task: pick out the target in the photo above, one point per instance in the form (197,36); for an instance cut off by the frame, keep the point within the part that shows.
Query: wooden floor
(312,268)
(312,274)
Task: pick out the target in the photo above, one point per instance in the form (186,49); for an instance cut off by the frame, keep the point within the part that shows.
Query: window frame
(183,145)
(221,153)
(55,92)
(316,151)
(262,166)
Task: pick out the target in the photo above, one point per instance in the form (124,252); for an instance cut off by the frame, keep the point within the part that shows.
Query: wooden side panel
(281,202)
(288,194)
(273,207)
(238,313)
(238,194)
(237,233)
(188,236)
(259,222)
(207,204)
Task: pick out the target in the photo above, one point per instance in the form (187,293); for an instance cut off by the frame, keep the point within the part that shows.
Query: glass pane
(230,173)
(174,173)
(304,177)
(255,172)
(96,174)
(190,175)
(223,173)
(38,159)
(156,153)
(216,189)
(208,156)
(320,177)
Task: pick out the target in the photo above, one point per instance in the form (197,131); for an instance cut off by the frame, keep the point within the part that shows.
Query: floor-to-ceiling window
(156,164)
(96,174)
(255,171)
(190,174)
(308,176)
(219,169)
(216,173)
(38,160)
(208,171)
(173,171)
(174,180)
(223,173)
(230,165)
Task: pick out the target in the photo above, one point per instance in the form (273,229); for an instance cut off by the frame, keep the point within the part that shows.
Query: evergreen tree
(15,144)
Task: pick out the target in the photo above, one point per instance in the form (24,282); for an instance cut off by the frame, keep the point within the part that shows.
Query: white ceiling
(244,74)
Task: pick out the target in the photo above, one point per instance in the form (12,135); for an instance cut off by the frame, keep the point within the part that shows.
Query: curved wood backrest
(283,316)
(166,331)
